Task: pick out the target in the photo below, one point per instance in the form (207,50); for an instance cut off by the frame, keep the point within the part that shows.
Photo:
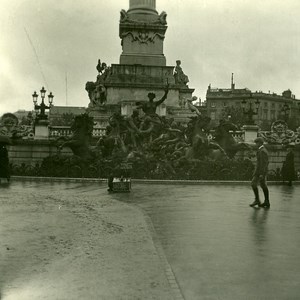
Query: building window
(272,115)
(213,115)
(265,104)
(213,104)
(273,105)
(224,104)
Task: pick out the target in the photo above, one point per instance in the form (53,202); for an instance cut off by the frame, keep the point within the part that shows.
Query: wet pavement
(67,241)
(217,246)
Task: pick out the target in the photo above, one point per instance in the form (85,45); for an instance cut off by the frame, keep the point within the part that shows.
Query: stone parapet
(277,155)
(140,74)
(31,152)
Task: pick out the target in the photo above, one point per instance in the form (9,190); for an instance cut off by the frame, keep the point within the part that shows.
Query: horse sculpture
(80,142)
(224,138)
(201,146)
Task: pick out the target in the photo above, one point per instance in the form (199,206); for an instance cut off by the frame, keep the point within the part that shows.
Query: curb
(145,181)
(171,278)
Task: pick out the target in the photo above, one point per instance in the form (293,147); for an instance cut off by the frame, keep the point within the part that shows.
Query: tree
(28,120)
(65,119)
(236,114)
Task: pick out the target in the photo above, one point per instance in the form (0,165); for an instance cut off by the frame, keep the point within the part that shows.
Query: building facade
(266,107)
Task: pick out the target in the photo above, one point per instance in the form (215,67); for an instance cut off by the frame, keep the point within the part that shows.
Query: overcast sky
(43,40)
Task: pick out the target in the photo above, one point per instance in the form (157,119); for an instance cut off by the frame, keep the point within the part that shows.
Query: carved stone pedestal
(127,108)
(41,131)
(250,133)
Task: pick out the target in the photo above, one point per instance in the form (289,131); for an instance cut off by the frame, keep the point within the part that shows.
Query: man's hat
(259,140)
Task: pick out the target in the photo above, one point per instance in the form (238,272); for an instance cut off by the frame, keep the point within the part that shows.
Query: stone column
(142,6)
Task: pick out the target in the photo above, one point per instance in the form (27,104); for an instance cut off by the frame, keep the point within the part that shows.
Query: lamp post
(250,112)
(40,109)
(286,110)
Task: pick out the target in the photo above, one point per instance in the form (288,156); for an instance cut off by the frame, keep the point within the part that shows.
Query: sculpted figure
(180,77)
(123,16)
(100,94)
(149,108)
(97,93)
(224,138)
(191,106)
(163,18)
(101,67)
(82,128)
(8,125)
(90,88)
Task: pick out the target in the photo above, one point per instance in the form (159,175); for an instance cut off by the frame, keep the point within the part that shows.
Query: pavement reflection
(219,247)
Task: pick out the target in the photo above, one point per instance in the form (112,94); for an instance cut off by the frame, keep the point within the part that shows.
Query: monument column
(142,6)
(142,31)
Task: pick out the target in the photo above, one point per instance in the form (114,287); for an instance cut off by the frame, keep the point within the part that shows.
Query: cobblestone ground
(74,241)
(219,247)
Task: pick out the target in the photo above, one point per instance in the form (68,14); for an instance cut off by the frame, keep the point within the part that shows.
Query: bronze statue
(149,108)
(80,142)
(224,138)
(101,67)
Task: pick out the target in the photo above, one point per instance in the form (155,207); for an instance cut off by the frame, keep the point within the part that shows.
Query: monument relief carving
(123,16)
(163,18)
(279,134)
(143,37)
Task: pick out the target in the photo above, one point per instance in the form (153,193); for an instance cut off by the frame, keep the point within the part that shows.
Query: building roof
(59,110)
(216,93)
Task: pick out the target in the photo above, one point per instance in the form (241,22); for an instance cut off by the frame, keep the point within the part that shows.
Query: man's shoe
(265,205)
(256,202)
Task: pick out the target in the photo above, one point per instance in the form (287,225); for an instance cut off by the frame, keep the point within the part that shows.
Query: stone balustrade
(57,131)
(238,135)
(65,131)
(98,131)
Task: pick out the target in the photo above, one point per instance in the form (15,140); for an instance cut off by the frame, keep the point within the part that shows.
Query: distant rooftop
(233,92)
(76,110)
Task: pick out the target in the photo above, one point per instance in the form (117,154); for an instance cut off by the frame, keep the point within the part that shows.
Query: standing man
(288,168)
(4,162)
(260,174)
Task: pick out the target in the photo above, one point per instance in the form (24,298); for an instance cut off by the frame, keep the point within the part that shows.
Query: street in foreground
(74,241)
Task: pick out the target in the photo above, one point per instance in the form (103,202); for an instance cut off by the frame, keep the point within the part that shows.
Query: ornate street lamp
(250,112)
(286,110)
(41,108)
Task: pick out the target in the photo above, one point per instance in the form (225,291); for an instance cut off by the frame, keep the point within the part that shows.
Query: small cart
(121,183)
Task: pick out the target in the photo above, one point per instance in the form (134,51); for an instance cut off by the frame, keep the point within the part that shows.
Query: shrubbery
(75,167)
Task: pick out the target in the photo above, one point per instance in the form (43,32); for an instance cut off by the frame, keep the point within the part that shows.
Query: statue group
(152,140)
